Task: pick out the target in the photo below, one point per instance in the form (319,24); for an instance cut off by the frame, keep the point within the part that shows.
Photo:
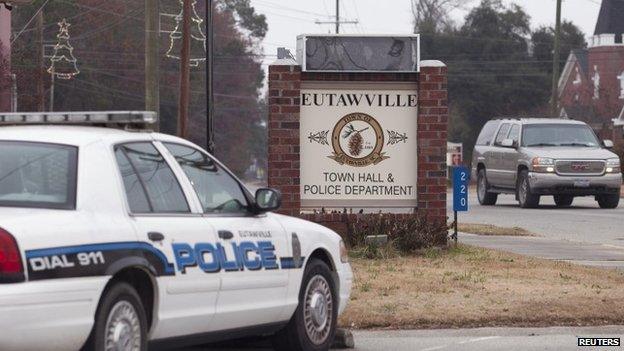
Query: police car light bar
(80,118)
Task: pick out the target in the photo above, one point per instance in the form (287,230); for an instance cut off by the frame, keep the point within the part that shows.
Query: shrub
(406,233)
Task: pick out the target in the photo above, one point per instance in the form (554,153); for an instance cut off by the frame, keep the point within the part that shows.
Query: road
(482,339)
(583,222)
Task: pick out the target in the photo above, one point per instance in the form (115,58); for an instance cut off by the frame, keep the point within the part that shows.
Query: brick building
(285,85)
(5,49)
(591,87)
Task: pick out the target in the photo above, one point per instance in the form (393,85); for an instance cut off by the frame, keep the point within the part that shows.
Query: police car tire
(294,337)
(119,292)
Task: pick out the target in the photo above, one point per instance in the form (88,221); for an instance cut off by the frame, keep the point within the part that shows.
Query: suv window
(487,133)
(579,135)
(217,190)
(514,133)
(502,133)
(151,186)
(38,175)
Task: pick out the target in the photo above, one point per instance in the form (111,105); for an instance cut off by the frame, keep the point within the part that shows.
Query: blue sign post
(461,179)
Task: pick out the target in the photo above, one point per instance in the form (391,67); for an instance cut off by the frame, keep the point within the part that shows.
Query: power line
(290,9)
(29,21)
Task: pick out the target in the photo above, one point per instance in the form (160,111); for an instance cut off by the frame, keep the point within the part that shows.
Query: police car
(118,240)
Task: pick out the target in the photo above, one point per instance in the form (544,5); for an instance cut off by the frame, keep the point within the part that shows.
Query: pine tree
(63,62)
(198,37)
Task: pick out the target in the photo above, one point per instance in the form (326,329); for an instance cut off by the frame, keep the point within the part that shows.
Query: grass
(488,229)
(472,287)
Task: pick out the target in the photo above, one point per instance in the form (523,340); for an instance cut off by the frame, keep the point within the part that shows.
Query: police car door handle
(155,236)
(225,234)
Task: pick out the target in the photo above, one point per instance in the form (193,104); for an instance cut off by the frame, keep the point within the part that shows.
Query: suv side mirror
(508,143)
(268,200)
(607,144)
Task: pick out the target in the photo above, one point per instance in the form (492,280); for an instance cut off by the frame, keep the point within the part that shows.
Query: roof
(582,58)
(536,120)
(610,19)
(76,135)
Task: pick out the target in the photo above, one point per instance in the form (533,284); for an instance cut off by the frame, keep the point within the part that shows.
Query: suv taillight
(11,267)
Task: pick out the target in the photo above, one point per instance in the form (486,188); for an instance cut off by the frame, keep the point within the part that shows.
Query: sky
(287,19)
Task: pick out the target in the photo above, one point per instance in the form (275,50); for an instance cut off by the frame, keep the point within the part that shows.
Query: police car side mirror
(268,200)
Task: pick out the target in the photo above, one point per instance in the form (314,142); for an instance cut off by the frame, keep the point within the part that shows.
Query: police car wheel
(313,326)
(120,321)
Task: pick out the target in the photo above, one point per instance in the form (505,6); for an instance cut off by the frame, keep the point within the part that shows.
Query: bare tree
(433,15)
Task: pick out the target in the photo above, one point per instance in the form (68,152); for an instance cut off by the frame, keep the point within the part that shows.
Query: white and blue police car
(122,240)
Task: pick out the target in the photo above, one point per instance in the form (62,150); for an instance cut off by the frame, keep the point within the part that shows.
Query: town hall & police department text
(379,188)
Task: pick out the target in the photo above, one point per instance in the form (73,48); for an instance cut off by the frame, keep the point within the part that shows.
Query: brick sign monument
(358,123)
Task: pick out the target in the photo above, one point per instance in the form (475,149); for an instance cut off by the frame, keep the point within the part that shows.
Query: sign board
(454,154)
(359,53)
(461,179)
(358,145)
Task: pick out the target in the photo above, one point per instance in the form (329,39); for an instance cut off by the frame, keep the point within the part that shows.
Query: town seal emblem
(358,141)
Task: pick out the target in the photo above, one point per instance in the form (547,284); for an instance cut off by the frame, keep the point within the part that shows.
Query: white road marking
(469,341)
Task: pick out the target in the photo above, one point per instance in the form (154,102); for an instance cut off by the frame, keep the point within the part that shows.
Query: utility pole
(185,70)
(152,75)
(52,78)
(337,21)
(555,82)
(41,70)
(209,78)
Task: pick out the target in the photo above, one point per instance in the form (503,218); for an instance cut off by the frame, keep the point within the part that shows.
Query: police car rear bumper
(48,315)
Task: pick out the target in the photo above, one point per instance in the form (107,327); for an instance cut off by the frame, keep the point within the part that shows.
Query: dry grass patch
(472,287)
(488,229)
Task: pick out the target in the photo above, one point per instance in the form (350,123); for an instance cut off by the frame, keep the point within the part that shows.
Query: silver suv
(535,157)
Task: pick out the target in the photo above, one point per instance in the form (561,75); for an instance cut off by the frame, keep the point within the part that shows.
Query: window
(38,175)
(144,166)
(578,135)
(502,133)
(487,133)
(514,133)
(217,190)
(135,192)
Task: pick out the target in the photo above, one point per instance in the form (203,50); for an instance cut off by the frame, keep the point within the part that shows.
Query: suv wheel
(526,198)
(120,321)
(313,326)
(608,201)
(486,198)
(564,200)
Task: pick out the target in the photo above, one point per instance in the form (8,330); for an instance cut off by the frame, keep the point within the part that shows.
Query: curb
(343,339)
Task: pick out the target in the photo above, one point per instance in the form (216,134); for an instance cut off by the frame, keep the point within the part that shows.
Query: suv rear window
(38,175)
(487,133)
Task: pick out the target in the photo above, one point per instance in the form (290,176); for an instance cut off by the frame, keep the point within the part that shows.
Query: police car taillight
(140,119)
(11,267)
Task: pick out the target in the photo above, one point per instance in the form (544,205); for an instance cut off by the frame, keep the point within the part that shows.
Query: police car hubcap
(123,329)
(318,310)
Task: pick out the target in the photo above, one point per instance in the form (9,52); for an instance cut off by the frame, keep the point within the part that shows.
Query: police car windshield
(37,175)
(538,135)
